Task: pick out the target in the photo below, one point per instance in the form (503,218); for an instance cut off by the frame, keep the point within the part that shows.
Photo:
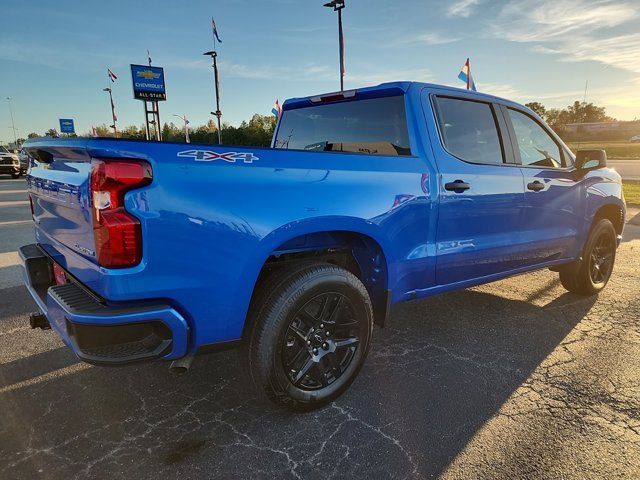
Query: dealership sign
(66,125)
(148,83)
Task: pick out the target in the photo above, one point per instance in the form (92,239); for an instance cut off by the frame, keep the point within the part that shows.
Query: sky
(54,55)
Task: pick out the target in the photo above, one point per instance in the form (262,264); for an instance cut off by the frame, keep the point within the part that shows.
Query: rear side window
(536,146)
(469,130)
(376,126)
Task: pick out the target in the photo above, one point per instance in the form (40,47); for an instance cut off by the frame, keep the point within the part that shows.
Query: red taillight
(117,233)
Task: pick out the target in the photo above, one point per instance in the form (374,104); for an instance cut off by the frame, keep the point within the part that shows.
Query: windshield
(3,149)
(376,126)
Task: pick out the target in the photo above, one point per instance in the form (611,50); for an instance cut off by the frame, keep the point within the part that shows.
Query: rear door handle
(457,186)
(535,186)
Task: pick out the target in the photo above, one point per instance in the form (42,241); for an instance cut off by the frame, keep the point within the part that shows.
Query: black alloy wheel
(601,258)
(591,274)
(321,341)
(311,330)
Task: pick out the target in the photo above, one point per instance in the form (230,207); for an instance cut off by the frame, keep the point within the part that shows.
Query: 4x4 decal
(210,156)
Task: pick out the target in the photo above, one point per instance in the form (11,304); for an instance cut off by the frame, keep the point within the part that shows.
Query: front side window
(469,130)
(536,146)
(376,126)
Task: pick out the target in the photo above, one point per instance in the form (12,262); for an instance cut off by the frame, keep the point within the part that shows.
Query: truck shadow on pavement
(435,375)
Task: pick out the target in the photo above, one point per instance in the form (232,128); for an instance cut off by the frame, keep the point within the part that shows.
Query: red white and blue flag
(215,30)
(465,76)
(277,109)
(112,76)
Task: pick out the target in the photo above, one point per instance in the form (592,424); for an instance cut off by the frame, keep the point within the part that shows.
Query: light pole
(13,125)
(113,112)
(186,127)
(218,113)
(337,6)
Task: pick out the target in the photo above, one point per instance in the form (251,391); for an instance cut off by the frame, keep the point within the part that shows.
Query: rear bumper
(99,333)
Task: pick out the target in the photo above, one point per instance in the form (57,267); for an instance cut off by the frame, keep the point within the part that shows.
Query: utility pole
(13,125)
(337,6)
(186,127)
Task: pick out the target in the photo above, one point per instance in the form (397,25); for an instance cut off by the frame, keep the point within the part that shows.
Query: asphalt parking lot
(516,379)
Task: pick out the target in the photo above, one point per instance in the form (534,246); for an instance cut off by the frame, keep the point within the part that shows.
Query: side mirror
(591,159)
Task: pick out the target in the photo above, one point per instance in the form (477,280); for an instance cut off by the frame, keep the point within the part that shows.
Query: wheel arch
(612,212)
(355,246)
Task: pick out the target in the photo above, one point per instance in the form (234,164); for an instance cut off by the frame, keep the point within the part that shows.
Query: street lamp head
(335,4)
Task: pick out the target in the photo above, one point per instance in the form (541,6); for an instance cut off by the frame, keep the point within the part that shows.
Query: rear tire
(311,334)
(15,175)
(592,274)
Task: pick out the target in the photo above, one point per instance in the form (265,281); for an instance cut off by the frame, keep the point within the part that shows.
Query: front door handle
(457,186)
(535,186)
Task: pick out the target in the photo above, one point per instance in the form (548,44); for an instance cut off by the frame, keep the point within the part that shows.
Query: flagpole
(468,74)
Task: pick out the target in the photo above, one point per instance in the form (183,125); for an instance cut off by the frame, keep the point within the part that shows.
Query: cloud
(503,90)
(306,73)
(548,20)
(462,8)
(429,39)
(575,30)
(388,75)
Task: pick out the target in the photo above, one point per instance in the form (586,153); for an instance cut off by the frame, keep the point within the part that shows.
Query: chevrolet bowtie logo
(210,156)
(148,74)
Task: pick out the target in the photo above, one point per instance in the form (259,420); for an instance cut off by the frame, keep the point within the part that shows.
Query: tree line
(256,132)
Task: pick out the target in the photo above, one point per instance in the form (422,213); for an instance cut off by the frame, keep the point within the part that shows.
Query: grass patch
(631,192)
(626,150)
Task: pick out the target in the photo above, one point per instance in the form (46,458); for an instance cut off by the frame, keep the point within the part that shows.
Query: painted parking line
(8,192)
(15,222)
(14,203)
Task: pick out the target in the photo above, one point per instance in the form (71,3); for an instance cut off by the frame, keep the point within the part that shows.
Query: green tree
(33,135)
(582,112)
(537,107)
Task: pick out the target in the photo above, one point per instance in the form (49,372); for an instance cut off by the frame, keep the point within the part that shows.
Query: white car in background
(635,139)
(9,163)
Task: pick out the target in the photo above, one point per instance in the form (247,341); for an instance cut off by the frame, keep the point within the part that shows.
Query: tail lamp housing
(117,233)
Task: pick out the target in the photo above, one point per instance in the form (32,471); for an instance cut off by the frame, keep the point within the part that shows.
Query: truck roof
(390,88)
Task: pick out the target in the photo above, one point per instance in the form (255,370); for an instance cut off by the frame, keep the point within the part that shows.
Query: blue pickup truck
(368,197)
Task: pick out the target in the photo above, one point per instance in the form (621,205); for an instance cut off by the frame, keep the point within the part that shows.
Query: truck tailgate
(58,185)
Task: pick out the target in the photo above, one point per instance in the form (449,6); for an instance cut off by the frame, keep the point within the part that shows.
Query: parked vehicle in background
(635,139)
(368,197)
(24,161)
(9,163)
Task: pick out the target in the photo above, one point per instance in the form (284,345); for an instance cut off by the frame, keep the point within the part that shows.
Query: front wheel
(311,334)
(15,175)
(598,259)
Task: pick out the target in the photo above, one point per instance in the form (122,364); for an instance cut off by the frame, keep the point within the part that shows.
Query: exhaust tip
(182,365)
(38,320)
